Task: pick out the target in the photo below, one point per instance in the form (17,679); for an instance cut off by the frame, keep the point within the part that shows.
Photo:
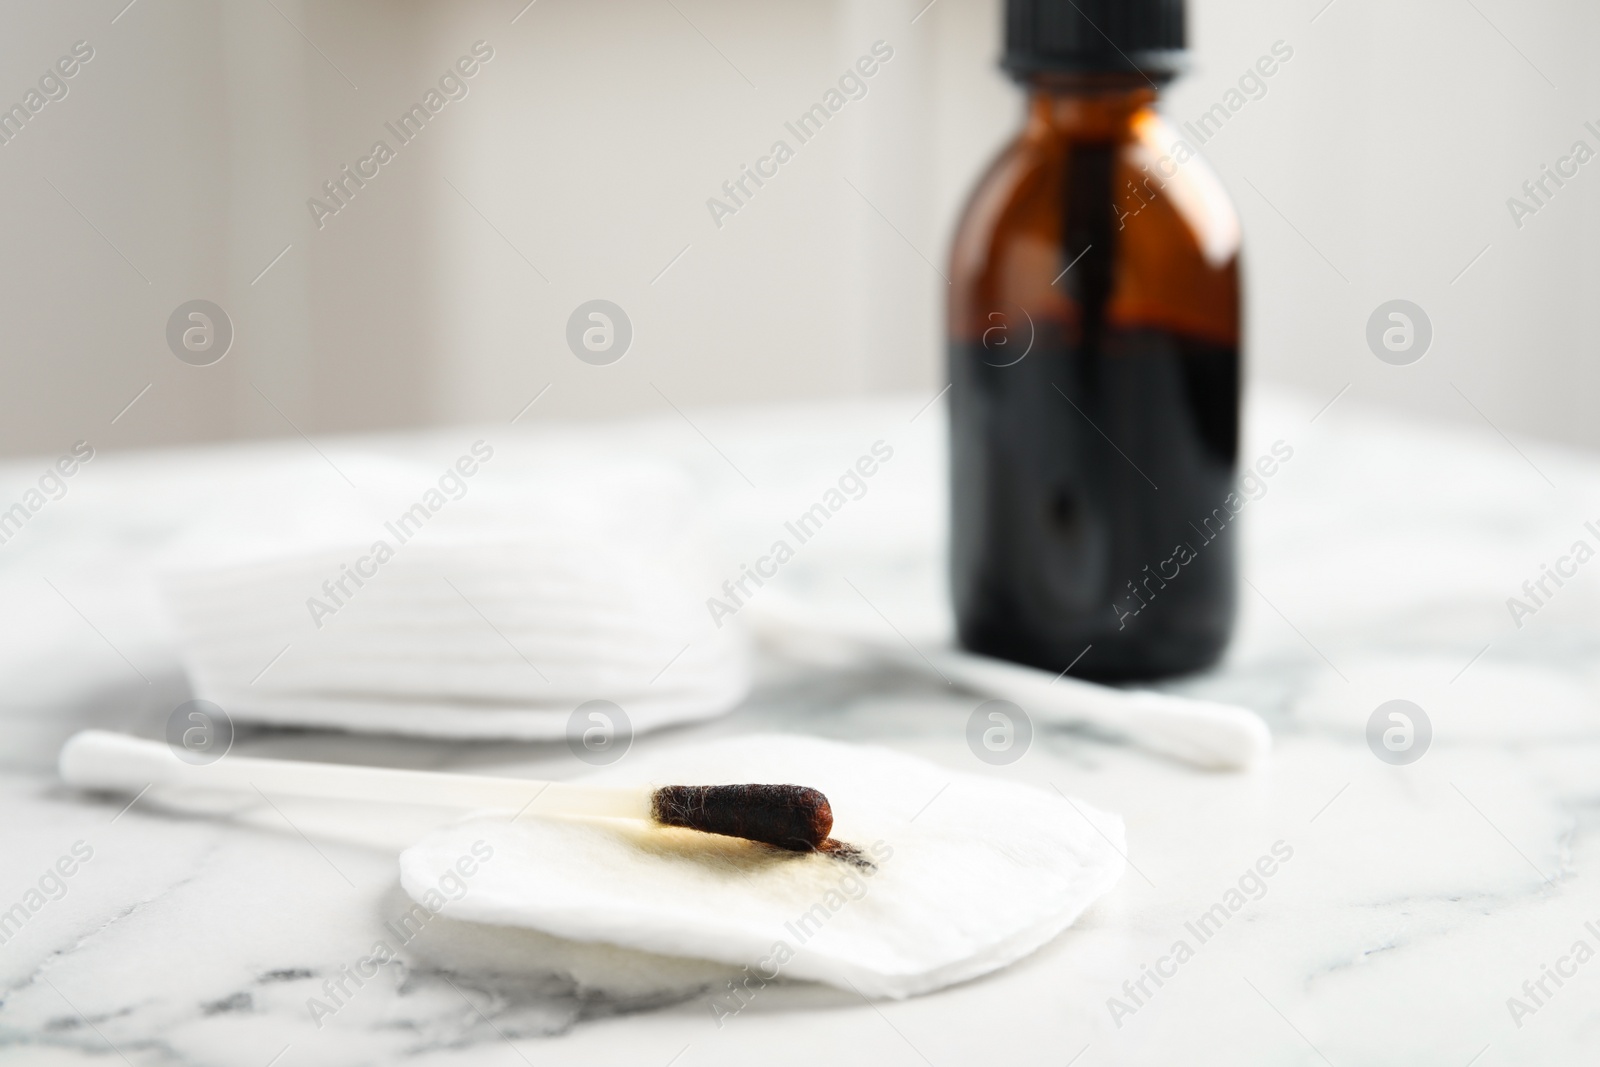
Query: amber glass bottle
(1094,363)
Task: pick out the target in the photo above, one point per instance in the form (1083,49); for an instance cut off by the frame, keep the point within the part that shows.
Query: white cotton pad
(966,873)
(495,620)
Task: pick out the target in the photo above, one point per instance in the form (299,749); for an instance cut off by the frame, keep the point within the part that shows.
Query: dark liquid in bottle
(1091,477)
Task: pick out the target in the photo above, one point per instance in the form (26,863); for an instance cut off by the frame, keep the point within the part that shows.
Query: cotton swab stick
(1200,732)
(791,817)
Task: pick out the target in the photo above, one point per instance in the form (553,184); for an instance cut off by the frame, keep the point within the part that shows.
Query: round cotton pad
(495,620)
(941,876)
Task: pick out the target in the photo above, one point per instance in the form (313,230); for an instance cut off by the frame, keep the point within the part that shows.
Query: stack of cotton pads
(956,876)
(497,619)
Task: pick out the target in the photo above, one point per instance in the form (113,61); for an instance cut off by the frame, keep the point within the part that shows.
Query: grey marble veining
(1415,903)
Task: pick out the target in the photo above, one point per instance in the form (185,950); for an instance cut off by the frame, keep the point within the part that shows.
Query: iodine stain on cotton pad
(954,875)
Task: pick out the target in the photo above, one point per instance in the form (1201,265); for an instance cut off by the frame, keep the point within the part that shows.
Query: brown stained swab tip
(793,817)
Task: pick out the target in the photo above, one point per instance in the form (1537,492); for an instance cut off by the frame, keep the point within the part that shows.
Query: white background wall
(1376,166)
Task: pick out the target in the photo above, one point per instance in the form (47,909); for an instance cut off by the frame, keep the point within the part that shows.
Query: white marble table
(1415,900)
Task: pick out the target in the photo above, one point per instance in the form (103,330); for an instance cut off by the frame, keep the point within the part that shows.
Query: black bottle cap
(1094,37)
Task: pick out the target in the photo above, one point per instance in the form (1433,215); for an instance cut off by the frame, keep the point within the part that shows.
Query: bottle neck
(1091,106)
